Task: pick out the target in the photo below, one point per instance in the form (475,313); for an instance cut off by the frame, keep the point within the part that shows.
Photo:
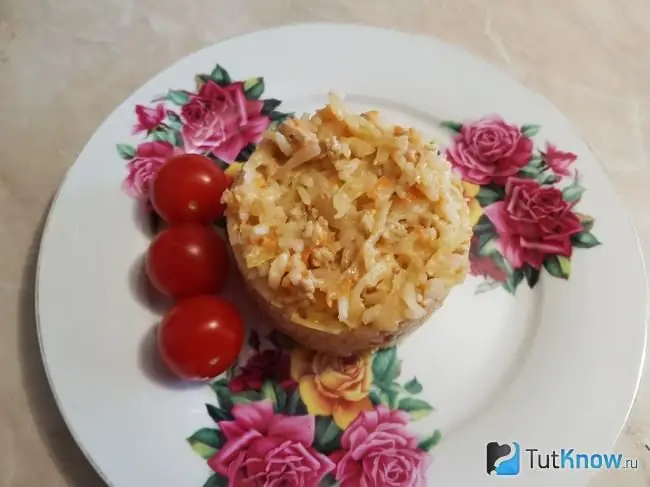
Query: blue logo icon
(503,459)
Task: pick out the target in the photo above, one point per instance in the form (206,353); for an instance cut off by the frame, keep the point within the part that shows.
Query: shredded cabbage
(350,222)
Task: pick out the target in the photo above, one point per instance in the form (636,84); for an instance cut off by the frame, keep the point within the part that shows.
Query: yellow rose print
(331,386)
(475,211)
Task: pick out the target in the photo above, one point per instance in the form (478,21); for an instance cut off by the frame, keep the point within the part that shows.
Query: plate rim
(48,223)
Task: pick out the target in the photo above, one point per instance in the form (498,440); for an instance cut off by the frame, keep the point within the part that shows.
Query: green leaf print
(528,172)
(206,441)
(417,408)
(272,391)
(328,481)
(223,395)
(126,151)
(389,395)
(586,220)
(279,117)
(254,87)
(487,245)
(204,451)
(558,266)
(246,153)
(413,386)
(531,275)
(269,105)
(177,97)
(200,80)
(268,392)
(486,286)
(584,240)
(514,279)
(428,443)
(216,480)
(221,382)
(281,396)
(167,135)
(484,225)
(530,129)
(385,366)
(375,397)
(536,162)
(451,125)
(174,121)
(548,179)
(488,195)
(533,169)
(220,76)
(501,262)
(218,414)
(328,436)
(573,192)
(246,397)
(295,406)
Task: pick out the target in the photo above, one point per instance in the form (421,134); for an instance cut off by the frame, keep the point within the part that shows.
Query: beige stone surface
(64,64)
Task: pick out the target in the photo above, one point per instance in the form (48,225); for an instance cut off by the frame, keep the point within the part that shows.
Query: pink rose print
(377,451)
(533,221)
(269,364)
(264,449)
(559,161)
(148,118)
(221,120)
(149,157)
(489,151)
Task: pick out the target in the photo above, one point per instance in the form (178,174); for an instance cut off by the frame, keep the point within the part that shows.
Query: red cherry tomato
(187,260)
(200,337)
(188,189)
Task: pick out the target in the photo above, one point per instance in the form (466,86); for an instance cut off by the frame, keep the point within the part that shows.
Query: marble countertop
(64,64)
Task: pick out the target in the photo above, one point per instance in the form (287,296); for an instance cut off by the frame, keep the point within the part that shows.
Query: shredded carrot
(415,192)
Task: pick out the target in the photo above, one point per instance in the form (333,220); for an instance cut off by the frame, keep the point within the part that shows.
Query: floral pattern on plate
(522,202)
(222,119)
(285,414)
(314,420)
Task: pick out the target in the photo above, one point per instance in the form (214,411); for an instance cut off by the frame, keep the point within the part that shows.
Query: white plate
(555,366)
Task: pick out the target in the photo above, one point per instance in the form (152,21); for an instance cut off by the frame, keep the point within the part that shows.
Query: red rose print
(194,111)
(484,266)
(559,161)
(221,120)
(148,118)
(533,221)
(269,364)
(489,151)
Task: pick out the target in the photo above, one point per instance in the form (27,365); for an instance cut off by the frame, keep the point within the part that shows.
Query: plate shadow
(50,425)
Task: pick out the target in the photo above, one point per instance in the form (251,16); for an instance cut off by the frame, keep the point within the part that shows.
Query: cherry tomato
(200,337)
(188,189)
(187,260)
